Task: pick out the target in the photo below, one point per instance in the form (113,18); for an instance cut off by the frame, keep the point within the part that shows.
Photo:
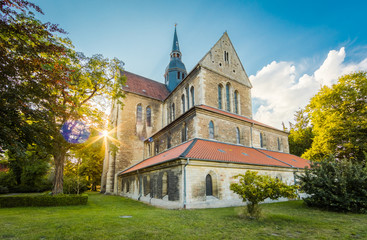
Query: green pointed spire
(176,46)
(175,71)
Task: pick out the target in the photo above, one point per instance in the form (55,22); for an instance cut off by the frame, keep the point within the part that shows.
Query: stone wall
(129,134)
(160,186)
(225,131)
(222,176)
(163,185)
(211,81)
(192,81)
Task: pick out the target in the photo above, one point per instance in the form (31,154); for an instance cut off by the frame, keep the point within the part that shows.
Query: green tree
(30,67)
(254,189)
(91,155)
(45,83)
(336,185)
(300,135)
(339,118)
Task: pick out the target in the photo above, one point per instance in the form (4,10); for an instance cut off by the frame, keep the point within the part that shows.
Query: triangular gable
(215,60)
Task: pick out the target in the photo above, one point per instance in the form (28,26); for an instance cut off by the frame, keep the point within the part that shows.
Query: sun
(105,133)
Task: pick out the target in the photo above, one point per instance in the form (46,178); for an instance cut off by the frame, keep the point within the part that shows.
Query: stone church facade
(180,143)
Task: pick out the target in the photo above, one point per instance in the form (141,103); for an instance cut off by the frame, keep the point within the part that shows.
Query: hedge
(42,200)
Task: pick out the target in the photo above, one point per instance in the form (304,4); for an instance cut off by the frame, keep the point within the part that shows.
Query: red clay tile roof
(171,154)
(207,150)
(235,116)
(217,151)
(293,160)
(145,86)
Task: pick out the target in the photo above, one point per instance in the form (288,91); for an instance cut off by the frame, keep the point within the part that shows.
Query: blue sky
(267,35)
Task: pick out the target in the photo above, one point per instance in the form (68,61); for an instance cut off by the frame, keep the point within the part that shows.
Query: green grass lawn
(100,219)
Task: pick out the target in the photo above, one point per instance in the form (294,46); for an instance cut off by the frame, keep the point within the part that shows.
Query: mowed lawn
(101,219)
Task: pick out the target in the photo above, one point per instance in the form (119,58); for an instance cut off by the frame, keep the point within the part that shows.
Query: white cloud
(276,85)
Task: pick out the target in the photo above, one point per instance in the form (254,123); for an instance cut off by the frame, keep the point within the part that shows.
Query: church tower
(175,70)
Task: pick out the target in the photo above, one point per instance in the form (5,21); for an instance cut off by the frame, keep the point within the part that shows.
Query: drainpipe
(252,125)
(184,201)
(295,180)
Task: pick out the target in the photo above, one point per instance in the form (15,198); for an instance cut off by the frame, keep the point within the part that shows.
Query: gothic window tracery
(183,103)
(149,117)
(192,90)
(236,101)
(220,87)
(139,114)
(237,135)
(228,87)
(211,130)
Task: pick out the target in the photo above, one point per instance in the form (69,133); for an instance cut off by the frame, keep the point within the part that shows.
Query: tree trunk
(59,158)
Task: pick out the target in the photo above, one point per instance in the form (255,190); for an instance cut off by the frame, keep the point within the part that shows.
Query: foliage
(300,135)
(44,200)
(339,118)
(336,185)
(30,169)
(254,188)
(3,189)
(75,185)
(30,68)
(45,83)
(91,155)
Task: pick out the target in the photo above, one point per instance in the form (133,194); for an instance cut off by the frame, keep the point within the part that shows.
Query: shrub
(3,189)
(42,200)
(254,188)
(336,185)
(74,185)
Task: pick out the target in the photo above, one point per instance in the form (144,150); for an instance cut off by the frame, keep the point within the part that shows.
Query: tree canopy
(338,115)
(45,83)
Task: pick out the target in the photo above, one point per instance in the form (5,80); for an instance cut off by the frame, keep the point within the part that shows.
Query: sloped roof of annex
(209,150)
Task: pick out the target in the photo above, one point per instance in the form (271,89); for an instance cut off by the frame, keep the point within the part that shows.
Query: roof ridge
(273,157)
(187,150)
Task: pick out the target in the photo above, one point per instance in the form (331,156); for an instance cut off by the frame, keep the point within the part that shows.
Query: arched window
(236,102)
(226,56)
(228,97)
(188,98)
(156,147)
(220,96)
(139,114)
(237,135)
(192,96)
(164,184)
(127,186)
(261,140)
(178,75)
(278,144)
(211,130)
(184,132)
(183,75)
(183,103)
(149,117)
(209,185)
(146,185)
(173,111)
(169,140)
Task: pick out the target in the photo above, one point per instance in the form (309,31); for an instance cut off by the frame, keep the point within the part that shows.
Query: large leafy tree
(300,135)
(45,84)
(30,68)
(339,118)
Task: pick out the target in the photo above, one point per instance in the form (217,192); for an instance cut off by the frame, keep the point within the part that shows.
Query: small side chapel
(182,142)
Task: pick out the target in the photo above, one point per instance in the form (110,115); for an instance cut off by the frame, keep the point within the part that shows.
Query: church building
(180,143)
